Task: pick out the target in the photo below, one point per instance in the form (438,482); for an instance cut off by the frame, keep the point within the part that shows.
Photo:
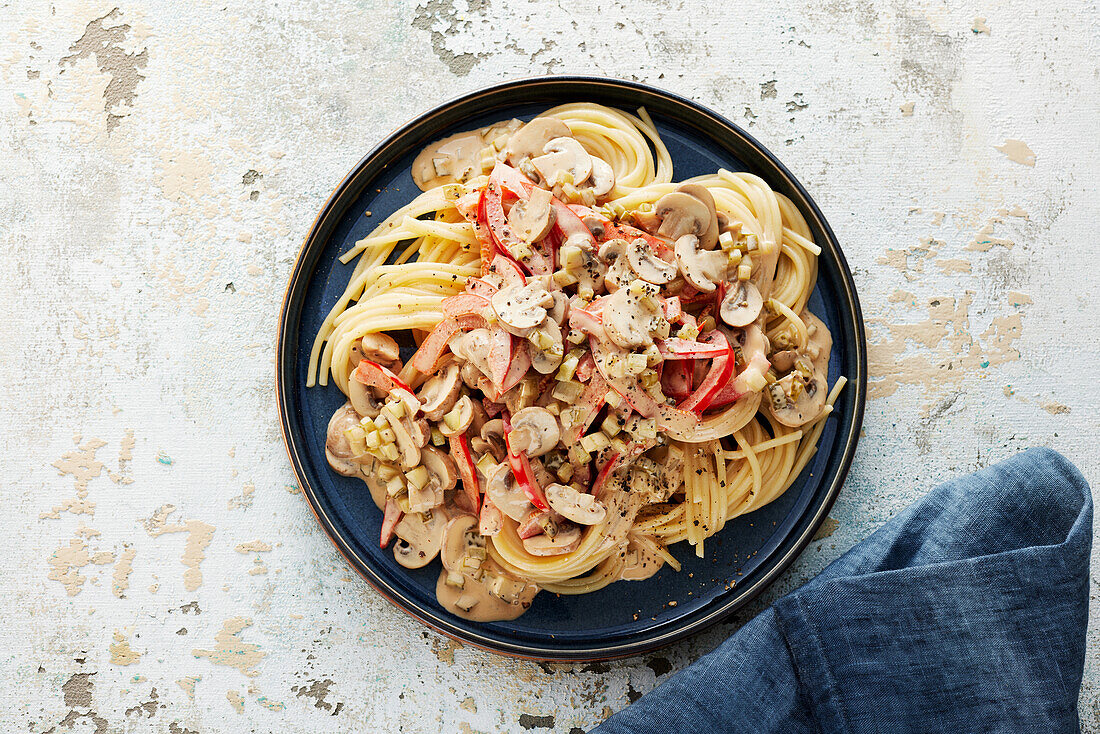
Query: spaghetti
(608,362)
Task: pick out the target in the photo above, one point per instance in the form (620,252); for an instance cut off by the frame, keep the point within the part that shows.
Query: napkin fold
(966,613)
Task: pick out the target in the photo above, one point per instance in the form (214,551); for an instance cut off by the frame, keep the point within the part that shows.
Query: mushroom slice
(522,307)
(580,507)
(439,394)
(563,156)
(603,177)
(565,540)
(683,214)
(741,305)
(559,312)
(531,139)
(630,319)
(337,449)
(700,267)
(783,361)
(441,468)
(535,431)
(532,218)
(492,433)
(701,193)
(546,347)
(407,435)
(645,263)
(462,545)
(459,418)
(505,495)
(421,536)
(619,273)
(795,403)
(379,348)
(361,398)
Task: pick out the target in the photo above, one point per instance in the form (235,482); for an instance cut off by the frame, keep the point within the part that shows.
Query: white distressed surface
(160,167)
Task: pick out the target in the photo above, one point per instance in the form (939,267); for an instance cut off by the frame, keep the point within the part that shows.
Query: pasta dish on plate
(604,362)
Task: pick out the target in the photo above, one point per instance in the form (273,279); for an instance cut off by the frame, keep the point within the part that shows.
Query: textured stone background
(160,163)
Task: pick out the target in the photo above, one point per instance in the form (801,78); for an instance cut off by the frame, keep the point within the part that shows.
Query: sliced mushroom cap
(565,540)
(522,307)
(421,538)
(683,214)
(379,348)
(362,398)
(546,347)
(462,416)
(529,140)
(595,225)
(563,156)
(700,267)
(444,475)
(460,534)
(701,193)
(645,263)
(532,218)
(535,431)
(337,449)
(806,405)
(619,272)
(408,444)
(784,360)
(473,347)
(377,488)
(631,320)
(559,312)
(603,177)
(506,495)
(438,394)
(580,507)
(742,304)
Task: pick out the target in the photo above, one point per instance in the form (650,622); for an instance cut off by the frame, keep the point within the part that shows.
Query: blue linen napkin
(964,613)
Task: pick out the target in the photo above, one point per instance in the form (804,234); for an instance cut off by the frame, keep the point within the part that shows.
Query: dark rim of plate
(558,90)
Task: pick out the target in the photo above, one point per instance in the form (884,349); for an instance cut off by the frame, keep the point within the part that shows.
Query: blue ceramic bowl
(628,617)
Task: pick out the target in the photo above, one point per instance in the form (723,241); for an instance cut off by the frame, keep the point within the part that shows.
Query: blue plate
(628,617)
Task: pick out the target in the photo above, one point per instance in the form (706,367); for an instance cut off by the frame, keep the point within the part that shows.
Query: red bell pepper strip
(532,525)
(586,367)
(668,417)
(467,472)
(390,517)
(508,270)
(484,236)
(375,375)
(721,370)
(673,310)
(521,469)
(480,287)
(517,368)
(501,180)
(501,349)
(592,399)
(619,230)
(464,303)
(676,378)
(586,321)
(687,349)
(432,348)
(605,473)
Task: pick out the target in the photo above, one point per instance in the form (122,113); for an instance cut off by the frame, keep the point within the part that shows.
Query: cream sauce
(640,562)
(486,607)
(457,158)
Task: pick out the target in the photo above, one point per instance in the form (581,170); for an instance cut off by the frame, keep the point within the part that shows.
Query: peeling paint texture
(159,169)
